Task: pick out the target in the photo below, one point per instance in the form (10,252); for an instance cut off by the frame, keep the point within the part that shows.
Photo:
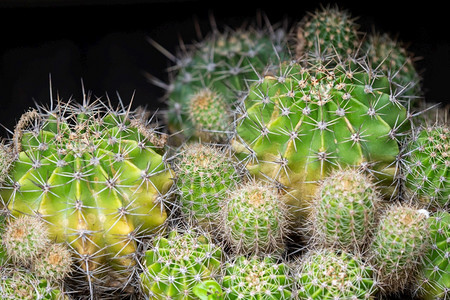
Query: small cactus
(205,175)
(398,247)
(344,212)
(256,278)
(173,266)
(324,274)
(254,219)
(54,264)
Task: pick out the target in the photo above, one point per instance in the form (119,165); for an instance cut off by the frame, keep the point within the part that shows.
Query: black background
(103,43)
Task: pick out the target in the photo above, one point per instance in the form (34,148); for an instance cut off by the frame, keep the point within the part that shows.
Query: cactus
(218,67)
(97,176)
(20,284)
(327,31)
(54,264)
(344,212)
(256,278)
(294,128)
(326,274)
(25,238)
(434,279)
(427,166)
(205,174)
(5,161)
(174,265)
(254,220)
(398,247)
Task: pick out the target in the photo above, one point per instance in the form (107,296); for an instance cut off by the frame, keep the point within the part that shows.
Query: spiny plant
(427,166)
(344,211)
(326,274)
(205,175)
(97,176)
(298,125)
(25,239)
(54,264)
(21,284)
(209,75)
(175,264)
(6,158)
(434,279)
(254,219)
(398,247)
(261,278)
(327,31)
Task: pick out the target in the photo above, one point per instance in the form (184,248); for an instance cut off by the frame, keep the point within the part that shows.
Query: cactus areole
(96,175)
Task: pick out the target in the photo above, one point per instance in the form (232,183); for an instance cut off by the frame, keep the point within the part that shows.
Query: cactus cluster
(293,169)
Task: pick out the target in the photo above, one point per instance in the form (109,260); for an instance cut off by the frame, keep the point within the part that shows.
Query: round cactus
(256,278)
(174,265)
(398,247)
(344,212)
(434,279)
(205,174)
(5,161)
(254,219)
(53,264)
(329,31)
(20,284)
(97,176)
(427,167)
(217,67)
(25,238)
(294,128)
(325,274)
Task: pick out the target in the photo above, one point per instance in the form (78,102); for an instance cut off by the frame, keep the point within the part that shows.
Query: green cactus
(434,279)
(325,274)
(174,265)
(327,31)
(219,66)
(344,212)
(97,176)
(256,278)
(254,220)
(427,167)
(297,126)
(20,284)
(205,174)
(398,247)
(25,239)
(54,264)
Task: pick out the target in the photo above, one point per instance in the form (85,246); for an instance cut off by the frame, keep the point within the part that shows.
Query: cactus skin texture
(54,264)
(400,242)
(97,176)
(427,166)
(254,278)
(178,263)
(434,278)
(221,63)
(327,31)
(325,274)
(205,175)
(254,220)
(20,284)
(297,126)
(344,212)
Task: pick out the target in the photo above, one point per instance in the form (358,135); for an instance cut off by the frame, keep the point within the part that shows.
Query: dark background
(104,43)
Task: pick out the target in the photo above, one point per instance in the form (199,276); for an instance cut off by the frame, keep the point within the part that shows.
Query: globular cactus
(205,176)
(6,158)
(25,239)
(174,265)
(261,278)
(210,74)
(254,219)
(54,264)
(434,279)
(97,176)
(427,166)
(398,247)
(297,126)
(21,284)
(326,274)
(344,211)
(327,31)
